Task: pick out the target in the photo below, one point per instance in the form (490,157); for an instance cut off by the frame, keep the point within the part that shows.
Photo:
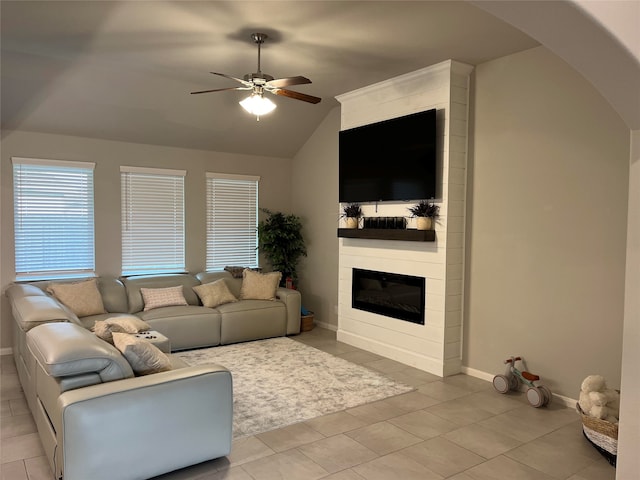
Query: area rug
(279,382)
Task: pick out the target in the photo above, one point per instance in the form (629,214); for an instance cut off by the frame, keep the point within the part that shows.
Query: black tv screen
(389,160)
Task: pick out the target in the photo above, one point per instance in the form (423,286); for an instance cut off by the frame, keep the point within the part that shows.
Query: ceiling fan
(259,82)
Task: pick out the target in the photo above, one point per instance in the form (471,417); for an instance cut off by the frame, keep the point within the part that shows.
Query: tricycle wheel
(514,383)
(501,383)
(535,397)
(547,394)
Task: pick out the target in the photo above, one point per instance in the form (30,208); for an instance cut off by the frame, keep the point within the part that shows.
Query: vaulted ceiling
(124,70)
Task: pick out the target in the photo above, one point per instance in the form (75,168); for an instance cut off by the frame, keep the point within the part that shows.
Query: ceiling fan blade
(286,82)
(244,82)
(221,90)
(296,95)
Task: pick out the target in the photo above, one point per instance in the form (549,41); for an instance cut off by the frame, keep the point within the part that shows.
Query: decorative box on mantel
(435,346)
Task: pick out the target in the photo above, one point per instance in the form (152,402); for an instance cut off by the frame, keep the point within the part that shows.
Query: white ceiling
(124,70)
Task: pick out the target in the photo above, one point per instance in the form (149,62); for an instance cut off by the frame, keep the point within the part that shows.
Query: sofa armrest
(65,349)
(145,426)
(31,309)
(292,300)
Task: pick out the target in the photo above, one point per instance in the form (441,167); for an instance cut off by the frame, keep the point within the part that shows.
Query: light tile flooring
(457,428)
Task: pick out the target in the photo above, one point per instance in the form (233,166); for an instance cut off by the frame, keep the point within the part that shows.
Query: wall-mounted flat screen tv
(389,160)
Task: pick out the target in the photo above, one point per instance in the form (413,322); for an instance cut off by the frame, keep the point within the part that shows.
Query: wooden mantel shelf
(407,235)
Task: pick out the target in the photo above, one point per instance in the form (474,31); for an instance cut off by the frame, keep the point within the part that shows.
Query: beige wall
(274,193)
(629,436)
(547,219)
(315,198)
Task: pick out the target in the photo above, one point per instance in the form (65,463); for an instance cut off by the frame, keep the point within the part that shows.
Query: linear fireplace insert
(389,294)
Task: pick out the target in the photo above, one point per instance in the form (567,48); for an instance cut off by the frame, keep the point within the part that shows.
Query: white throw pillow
(162,297)
(214,293)
(104,329)
(83,298)
(144,357)
(128,324)
(259,286)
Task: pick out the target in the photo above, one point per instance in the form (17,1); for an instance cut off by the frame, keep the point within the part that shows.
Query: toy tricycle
(537,395)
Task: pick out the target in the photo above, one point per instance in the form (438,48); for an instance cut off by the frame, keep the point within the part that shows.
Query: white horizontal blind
(232,221)
(53,219)
(152,220)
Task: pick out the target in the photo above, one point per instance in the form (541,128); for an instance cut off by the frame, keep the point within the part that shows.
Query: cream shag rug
(279,382)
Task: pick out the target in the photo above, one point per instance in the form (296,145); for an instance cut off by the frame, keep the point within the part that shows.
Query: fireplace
(389,294)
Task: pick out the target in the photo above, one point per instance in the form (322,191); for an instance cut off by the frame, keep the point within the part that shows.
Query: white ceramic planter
(351,222)
(424,223)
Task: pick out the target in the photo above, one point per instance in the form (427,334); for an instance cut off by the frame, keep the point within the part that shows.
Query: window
(232,221)
(53,219)
(152,220)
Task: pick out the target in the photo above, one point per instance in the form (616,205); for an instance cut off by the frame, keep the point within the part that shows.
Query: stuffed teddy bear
(599,401)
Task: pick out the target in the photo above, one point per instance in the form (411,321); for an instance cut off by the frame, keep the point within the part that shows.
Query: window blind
(232,221)
(53,219)
(152,220)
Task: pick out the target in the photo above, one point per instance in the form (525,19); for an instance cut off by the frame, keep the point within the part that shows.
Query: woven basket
(602,434)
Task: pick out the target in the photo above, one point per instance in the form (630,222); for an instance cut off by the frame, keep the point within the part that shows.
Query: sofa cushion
(259,286)
(114,296)
(144,357)
(162,297)
(215,293)
(83,298)
(186,327)
(252,320)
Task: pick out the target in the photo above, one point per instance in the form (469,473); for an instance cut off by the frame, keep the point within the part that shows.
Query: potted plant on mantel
(280,240)
(351,213)
(425,214)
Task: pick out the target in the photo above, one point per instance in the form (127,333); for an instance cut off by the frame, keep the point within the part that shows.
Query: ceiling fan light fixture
(257,105)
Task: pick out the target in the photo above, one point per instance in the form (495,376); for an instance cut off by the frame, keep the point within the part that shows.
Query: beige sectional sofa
(95,418)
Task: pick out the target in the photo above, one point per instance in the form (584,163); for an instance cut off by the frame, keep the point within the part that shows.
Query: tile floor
(457,428)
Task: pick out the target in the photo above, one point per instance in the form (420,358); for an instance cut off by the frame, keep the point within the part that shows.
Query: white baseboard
(6,351)
(328,326)
(472,372)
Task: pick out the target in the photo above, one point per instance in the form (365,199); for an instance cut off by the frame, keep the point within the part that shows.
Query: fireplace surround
(436,345)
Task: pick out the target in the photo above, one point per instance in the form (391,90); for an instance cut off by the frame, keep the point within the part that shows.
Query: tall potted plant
(425,214)
(280,240)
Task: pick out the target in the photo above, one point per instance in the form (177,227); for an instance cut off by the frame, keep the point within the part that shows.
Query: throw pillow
(83,298)
(128,324)
(214,293)
(259,286)
(144,357)
(162,297)
(104,329)
(236,272)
